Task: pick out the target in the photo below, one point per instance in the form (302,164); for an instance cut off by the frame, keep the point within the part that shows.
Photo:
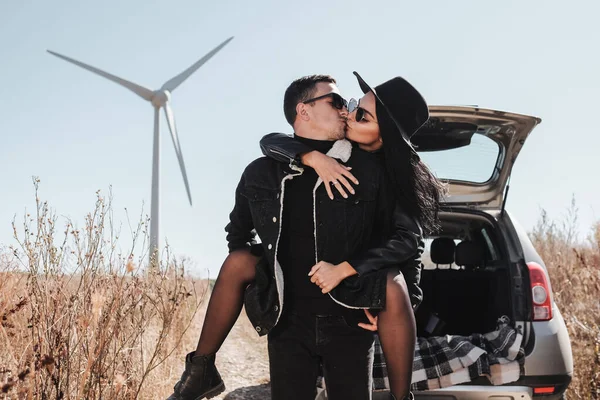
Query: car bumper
(523,389)
(465,392)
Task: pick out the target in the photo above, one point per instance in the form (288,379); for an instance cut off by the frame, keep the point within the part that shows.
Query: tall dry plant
(574,269)
(80,320)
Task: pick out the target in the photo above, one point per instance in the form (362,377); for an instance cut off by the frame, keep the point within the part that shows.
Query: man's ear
(302,112)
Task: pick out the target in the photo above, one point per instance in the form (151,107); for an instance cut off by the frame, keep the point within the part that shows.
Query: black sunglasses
(338,102)
(360,112)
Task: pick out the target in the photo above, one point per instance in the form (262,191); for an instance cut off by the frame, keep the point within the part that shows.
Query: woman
(370,124)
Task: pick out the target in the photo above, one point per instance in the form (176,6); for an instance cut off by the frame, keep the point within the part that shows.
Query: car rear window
(473,163)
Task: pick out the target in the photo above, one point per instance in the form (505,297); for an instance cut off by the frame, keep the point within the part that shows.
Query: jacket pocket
(359,212)
(264,205)
(259,193)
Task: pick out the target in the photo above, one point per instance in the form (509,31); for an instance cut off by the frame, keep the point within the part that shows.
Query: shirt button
(258,329)
(274,219)
(270,246)
(276,308)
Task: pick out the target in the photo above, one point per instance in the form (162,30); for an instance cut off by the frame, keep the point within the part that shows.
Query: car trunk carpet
(449,360)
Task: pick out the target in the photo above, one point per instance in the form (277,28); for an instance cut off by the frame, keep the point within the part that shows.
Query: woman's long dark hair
(415,186)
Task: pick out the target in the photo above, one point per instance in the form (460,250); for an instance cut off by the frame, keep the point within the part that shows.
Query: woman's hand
(327,276)
(373,322)
(331,172)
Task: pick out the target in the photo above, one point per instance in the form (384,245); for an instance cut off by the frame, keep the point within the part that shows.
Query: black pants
(299,344)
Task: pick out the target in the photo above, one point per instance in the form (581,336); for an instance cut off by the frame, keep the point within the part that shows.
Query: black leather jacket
(344,228)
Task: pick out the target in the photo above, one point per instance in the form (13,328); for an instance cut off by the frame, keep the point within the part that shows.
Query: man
(299,225)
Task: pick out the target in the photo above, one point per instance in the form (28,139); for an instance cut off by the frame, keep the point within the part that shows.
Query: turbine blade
(172,84)
(141,91)
(173,129)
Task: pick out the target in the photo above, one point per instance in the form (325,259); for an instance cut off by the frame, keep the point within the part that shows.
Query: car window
(472,163)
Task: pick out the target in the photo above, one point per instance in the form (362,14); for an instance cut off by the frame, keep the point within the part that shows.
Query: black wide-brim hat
(403,104)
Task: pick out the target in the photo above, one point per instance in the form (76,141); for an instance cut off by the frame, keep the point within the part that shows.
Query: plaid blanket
(450,360)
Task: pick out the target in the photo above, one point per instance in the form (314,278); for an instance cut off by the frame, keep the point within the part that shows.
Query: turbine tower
(159,99)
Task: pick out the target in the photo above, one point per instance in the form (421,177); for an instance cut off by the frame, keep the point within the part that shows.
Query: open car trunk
(467,283)
(466,278)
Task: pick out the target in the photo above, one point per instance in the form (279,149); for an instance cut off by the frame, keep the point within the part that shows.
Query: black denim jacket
(391,243)
(397,237)
(344,229)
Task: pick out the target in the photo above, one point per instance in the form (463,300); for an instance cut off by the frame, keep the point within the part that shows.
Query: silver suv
(482,265)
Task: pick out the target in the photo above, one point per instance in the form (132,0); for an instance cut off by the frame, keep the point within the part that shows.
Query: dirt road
(243,364)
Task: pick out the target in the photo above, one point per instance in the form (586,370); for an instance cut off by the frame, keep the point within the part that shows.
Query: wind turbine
(160,99)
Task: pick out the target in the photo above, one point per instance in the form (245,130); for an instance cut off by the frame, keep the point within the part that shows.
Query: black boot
(199,380)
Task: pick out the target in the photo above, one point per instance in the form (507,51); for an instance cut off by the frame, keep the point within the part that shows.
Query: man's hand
(327,276)
(331,172)
(373,322)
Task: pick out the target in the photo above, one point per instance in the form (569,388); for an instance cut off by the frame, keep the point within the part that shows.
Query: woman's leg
(397,334)
(226,300)
(200,379)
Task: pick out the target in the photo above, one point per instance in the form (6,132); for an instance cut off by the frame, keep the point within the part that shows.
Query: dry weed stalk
(81,321)
(574,270)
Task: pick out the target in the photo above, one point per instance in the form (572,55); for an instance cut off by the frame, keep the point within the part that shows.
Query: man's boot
(200,380)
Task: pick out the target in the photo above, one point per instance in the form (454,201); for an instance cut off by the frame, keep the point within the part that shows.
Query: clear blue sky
(80,133)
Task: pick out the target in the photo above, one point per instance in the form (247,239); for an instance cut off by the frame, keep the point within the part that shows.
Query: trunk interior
(465,280)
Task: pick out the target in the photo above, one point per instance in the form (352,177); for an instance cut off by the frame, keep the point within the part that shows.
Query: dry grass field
(79,321)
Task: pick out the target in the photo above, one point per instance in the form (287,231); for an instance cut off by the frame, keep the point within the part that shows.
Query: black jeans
(300,343)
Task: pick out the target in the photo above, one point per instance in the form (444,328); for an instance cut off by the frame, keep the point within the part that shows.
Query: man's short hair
(300,90)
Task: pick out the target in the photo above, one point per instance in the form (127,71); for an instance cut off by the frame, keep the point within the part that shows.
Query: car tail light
(540,292)
(543,390)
